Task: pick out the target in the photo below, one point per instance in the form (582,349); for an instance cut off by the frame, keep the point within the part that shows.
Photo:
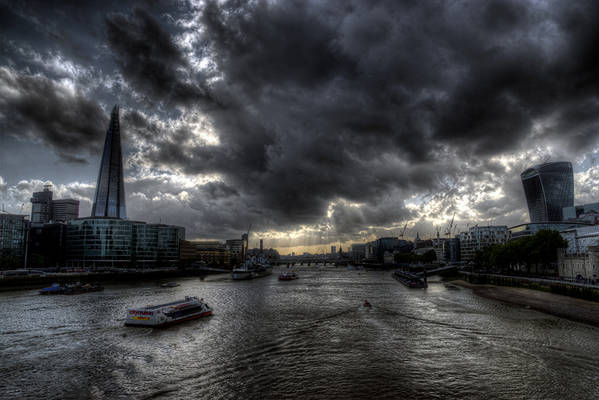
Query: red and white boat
(288,276)
(169,313)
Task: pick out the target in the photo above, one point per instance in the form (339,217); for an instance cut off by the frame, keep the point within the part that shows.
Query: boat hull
(241,275)
(171,322)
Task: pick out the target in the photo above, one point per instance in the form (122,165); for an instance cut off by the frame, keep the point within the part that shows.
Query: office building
(112,242)
(333,250)
(529,229)
(13,230)
(45,210)
(47,245)
(358,251)
(479,237)
(109,200)
(41,206)
(64,210)
(235,247)
(548,189)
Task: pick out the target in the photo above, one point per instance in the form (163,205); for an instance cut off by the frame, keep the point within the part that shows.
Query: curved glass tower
(548,188)
(109,200)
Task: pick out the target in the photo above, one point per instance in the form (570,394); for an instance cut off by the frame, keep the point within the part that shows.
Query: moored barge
(409,279)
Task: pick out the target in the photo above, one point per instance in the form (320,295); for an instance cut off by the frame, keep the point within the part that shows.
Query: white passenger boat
(243,272)
(169,313)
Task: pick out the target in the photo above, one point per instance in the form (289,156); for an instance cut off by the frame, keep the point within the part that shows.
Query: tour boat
(169,313)
(288,276)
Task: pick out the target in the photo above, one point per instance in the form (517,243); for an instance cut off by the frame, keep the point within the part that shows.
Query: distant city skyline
(353,121)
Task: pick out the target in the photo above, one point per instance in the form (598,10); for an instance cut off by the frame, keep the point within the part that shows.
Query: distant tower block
(261,245)
(109,200)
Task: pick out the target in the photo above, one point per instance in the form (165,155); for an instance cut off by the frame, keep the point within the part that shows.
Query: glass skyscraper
(109,200)
(548,189)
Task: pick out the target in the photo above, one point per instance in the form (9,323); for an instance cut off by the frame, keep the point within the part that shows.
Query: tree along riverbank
(567,307)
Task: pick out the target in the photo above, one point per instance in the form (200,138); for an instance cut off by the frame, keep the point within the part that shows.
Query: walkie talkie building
(109,200)
(548,189)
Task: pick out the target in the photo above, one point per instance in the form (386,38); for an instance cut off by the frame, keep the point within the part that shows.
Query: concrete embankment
(570,289)
(576,302)
(35,282)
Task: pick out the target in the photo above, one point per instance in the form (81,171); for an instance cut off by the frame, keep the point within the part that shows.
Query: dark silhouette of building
(47,245)
(13,230)
(109,200)
(548,188)
(41,206)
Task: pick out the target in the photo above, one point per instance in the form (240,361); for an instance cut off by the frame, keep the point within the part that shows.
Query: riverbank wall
(36,282)
(571,289)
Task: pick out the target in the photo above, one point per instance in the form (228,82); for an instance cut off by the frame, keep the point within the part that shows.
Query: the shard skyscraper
(109,200)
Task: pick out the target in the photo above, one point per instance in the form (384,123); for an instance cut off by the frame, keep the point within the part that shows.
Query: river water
(307,339)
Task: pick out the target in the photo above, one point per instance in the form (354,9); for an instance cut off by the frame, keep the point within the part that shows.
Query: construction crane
(448,230)
(455,229)
(403,230)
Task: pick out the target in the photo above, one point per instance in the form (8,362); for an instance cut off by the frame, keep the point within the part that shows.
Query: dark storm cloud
(150,60)
(343,102)
(37,107)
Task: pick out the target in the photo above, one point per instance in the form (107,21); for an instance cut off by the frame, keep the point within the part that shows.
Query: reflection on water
(305,338)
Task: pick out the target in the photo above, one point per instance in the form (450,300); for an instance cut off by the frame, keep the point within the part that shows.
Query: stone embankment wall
(572,289)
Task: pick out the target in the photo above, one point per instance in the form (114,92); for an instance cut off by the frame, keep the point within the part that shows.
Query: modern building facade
(109,200)
(112,242)
(45,210)
(529,229)
(548,188)
(479,237)
(47,245)
(41,206)
(358,251)
(236,250)
(13,230)
(447,250)
(64,210)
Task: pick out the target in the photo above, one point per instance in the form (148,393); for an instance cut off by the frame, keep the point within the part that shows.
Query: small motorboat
(169,284)
(54,289)
(288,276)
(367,304)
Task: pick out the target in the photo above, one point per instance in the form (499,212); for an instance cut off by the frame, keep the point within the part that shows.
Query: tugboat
(288,276)
(169,313)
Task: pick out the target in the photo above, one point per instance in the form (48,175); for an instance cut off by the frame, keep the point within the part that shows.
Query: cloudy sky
(319,122)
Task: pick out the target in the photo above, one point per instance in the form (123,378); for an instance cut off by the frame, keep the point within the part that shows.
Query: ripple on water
(309,338)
